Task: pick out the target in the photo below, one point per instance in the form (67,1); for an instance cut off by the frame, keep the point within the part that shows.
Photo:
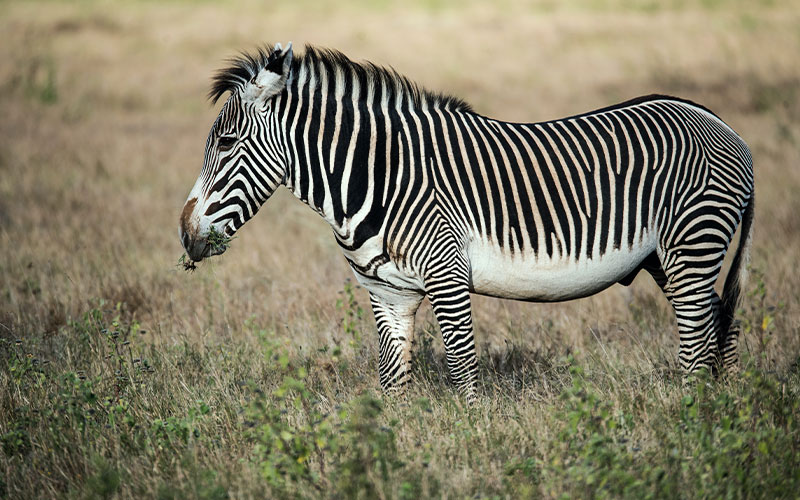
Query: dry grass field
(121,376)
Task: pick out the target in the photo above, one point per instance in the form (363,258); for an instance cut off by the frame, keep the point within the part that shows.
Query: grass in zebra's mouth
(218,242)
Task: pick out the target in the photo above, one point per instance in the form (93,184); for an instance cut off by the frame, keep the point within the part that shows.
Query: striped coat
(429,199)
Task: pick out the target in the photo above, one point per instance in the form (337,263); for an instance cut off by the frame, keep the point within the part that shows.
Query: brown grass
(103,124)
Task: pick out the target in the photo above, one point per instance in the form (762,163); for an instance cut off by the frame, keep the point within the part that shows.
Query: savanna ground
(256,375)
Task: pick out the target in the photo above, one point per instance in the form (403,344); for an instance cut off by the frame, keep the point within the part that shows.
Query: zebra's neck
(353,139)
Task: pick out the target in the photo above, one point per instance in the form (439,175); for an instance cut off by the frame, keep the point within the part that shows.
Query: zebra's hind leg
(394,316)
(697,313)
(687,278)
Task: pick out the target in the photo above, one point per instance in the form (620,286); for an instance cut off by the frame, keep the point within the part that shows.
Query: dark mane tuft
(241,70)
(244,67)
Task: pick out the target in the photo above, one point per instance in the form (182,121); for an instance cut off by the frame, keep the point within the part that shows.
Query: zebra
(428,198)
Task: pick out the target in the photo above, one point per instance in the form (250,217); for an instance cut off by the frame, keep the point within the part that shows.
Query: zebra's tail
(735,283)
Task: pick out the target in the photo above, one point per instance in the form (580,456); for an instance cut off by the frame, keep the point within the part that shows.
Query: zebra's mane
(244,67)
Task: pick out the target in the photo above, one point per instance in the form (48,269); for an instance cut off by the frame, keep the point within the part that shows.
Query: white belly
(545,279)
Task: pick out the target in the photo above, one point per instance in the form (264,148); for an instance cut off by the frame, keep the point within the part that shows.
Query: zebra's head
(245,156)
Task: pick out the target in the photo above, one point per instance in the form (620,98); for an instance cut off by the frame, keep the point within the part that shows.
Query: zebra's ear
(272,79)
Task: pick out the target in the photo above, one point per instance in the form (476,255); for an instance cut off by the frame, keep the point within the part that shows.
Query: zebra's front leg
(394,316)
(451,305)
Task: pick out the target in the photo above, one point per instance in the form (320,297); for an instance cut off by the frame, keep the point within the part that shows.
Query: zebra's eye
(226,142)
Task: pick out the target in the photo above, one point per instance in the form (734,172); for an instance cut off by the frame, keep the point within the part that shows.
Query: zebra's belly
(544,279)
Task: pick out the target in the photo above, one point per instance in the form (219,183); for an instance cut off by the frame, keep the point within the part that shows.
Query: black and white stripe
(430,199)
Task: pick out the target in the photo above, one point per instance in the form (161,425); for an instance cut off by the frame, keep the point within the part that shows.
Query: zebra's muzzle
(199,247)
(201,240)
